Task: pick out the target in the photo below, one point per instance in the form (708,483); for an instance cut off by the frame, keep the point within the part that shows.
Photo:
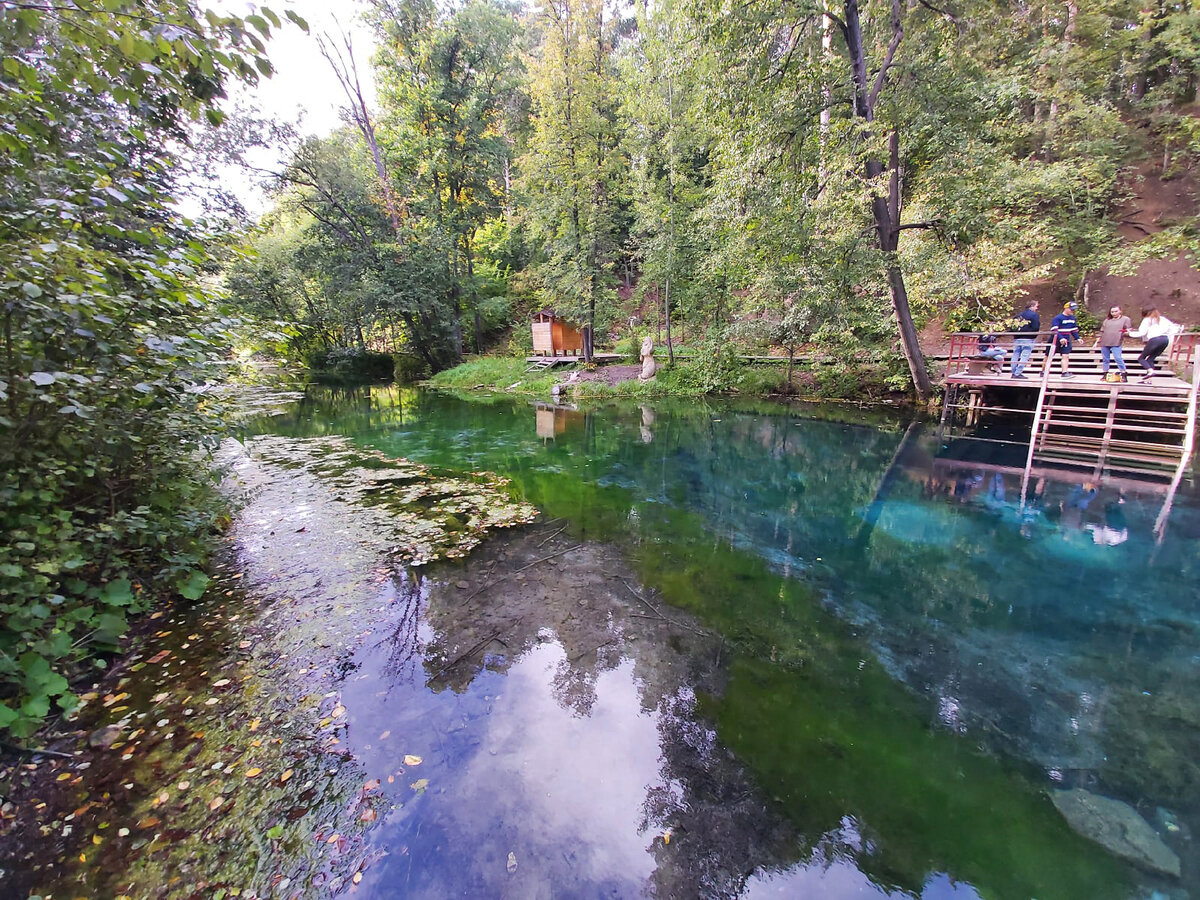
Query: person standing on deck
(1156,331)
(1030,323)
(1064,332)
(1112,331)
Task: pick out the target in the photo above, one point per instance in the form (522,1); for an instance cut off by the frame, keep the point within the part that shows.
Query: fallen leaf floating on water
(420,784)
(221,683)
(368,815)
(332,839)
(357,877)
(410,760)
(512,862)
(253,773)
(338,711)
(216,803)
(384,736)
(285,776)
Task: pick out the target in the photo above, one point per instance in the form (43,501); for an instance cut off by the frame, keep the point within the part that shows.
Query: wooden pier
(542,363)
(1084,423)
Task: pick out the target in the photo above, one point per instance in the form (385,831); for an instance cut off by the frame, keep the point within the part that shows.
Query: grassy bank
(694,377)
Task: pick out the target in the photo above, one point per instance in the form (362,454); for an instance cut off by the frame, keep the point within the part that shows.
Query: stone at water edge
(103,738)
(1117,827)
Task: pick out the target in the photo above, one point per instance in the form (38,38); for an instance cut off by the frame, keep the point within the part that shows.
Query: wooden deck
(1083,423)
(549,362)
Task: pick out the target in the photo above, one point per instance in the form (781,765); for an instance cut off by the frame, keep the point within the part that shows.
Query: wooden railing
(964,350)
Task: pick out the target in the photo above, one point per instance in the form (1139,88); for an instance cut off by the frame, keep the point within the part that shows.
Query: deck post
(1037,423)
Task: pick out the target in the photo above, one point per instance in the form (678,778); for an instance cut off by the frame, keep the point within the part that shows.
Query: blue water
(917,654)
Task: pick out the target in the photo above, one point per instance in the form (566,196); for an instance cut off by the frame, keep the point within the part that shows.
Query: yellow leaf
(338,711)
(332,839)
(64,776)
(357,877)
(254,725)
(410,760)
(253,773)
(285,776)
(97,840)
(216,803)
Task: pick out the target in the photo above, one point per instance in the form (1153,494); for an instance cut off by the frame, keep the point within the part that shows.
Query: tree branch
(889,57)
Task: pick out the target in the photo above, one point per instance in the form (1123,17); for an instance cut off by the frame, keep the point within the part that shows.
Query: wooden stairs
(1126,427)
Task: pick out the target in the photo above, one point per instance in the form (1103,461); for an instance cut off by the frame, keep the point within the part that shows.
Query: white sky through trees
(303,91)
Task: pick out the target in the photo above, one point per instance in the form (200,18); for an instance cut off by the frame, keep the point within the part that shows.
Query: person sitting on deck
(989,350)
(1112,331)
(1026,324)
(1156,331)
(1064,332)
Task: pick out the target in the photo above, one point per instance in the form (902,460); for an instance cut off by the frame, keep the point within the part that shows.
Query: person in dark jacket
(1028,324)
(1064,332)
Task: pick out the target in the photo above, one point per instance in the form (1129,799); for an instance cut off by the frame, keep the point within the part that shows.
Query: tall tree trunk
(885,210)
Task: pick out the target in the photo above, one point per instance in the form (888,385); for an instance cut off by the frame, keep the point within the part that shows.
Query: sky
(303,89)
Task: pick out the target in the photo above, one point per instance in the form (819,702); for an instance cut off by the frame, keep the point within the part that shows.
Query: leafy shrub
(838,381)
(105,408)
(520,343)
(351,364)
(409,368)
(716,367)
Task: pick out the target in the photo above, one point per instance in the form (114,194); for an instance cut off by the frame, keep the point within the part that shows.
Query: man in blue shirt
(1030,325)
(1064,332)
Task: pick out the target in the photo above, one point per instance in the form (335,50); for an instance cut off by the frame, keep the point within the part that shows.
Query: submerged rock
(103,738)
(1118,828)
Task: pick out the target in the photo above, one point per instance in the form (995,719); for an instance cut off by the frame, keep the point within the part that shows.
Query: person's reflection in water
(965,487)
(1078,500)
(1115,529)
(996,493)
(1033,508)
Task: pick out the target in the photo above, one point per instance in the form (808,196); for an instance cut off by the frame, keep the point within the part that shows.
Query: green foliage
(495,373)
(715,367)
(107,344)
(408,368)
(351,364)
(520,341)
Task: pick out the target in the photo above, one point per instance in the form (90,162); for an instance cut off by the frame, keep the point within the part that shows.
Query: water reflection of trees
(930,581)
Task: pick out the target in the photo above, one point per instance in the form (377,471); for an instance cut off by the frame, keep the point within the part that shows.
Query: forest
(822,175)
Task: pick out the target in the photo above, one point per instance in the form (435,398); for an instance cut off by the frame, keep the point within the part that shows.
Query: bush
(838,381)
(520,343)
(351,364)
(716,367)
(409,368)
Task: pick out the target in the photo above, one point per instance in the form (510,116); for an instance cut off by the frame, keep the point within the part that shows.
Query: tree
(574,169)
(446,80)
(107,338)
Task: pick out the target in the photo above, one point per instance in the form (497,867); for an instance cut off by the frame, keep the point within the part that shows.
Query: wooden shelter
(553,336)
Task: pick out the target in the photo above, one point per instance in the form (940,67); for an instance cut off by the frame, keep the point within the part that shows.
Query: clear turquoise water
(913,658)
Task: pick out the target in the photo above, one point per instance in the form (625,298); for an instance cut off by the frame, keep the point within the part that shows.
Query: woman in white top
(1156,331)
